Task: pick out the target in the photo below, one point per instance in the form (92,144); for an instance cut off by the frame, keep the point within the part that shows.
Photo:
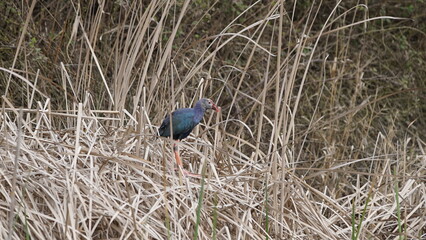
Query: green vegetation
(321,134)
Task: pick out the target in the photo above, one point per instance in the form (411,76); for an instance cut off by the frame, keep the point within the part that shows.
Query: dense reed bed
(321,133)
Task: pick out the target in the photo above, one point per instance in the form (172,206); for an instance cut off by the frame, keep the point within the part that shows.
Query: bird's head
(209,104)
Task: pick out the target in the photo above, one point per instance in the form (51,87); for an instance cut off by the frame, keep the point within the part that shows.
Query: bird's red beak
(215,107)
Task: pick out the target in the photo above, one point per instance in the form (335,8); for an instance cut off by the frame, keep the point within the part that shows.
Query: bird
(179,124)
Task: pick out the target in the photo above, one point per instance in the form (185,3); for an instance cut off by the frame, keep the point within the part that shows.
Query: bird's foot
(190,174)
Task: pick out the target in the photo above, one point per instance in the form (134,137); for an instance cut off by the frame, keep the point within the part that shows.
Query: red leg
(179,163)
(176,150)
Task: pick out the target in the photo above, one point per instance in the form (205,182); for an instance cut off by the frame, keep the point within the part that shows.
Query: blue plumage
(183,123)
(185,119)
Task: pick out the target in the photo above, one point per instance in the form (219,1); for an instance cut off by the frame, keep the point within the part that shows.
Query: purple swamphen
(183,121)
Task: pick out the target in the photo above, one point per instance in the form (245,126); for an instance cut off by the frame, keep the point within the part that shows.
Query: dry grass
(311,143)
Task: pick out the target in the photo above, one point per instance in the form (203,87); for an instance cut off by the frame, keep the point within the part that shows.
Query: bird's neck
(199,112)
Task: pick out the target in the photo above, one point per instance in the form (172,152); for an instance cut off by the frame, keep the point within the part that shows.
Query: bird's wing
(183,120)
(183,123)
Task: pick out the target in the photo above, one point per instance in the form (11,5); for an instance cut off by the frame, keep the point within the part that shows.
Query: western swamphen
(183,121)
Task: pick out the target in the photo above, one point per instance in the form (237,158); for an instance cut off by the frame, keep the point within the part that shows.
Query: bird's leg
(179,162)
(176,150)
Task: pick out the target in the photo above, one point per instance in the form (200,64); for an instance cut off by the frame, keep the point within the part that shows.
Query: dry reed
(295,153)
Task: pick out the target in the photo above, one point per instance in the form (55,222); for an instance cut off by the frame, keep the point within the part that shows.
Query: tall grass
(317,112)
